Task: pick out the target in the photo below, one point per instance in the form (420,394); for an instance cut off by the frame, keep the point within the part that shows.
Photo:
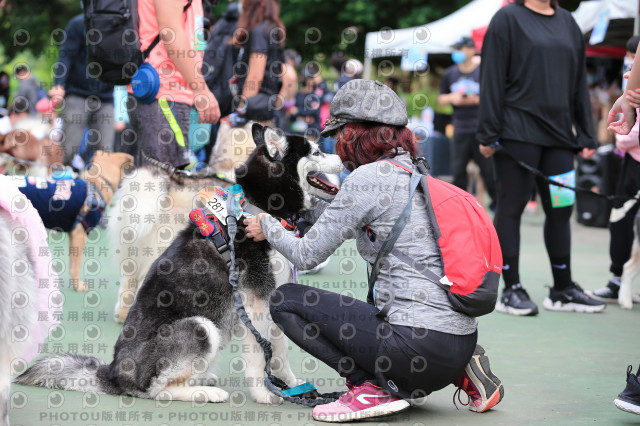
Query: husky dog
(184,311)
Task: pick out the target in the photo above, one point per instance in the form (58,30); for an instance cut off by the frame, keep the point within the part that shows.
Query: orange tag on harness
(199,218)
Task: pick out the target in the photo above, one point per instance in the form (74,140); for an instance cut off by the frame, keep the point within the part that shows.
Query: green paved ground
(557,368)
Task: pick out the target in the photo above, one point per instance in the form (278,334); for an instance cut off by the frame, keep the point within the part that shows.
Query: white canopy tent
(438,36)
(588,13)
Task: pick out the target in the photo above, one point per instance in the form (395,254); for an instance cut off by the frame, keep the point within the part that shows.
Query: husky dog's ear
(276,142)
(256,133)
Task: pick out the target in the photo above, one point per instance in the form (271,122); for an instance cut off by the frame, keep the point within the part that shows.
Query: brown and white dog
(75,205)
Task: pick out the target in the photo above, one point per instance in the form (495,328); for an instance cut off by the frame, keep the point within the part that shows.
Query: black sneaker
(572,299)
(629,398)
(516,301)
(608,294)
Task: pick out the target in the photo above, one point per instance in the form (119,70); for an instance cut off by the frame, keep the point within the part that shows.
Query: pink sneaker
(361,402)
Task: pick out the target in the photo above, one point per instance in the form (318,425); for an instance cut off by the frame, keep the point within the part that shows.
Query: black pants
(514,191)
(622,231)
(465,147)
(346,334)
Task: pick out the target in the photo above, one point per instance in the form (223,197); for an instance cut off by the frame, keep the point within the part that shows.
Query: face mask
(458,57)
(591,79)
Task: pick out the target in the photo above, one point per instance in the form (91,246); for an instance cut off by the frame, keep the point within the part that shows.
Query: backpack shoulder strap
(394,234)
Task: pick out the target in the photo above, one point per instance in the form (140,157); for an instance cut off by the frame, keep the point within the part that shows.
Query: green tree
(34,25)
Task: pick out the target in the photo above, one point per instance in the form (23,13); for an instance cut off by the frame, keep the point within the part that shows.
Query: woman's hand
(487,151)
(628,119)
(254,229)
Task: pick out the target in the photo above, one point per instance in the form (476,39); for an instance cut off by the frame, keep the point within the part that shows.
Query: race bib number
(215,200)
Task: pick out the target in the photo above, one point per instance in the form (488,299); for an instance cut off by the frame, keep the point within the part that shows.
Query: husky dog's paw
(217,394)
(264,396)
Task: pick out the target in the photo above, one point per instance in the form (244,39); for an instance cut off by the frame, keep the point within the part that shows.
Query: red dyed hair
(364,143)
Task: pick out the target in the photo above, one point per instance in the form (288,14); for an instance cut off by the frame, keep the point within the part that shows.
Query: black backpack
(113,44)
(220,58)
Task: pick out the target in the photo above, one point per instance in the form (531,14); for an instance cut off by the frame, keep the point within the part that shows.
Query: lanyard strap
(171,119)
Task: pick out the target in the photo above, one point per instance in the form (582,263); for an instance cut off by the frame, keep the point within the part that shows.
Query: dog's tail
(70,372)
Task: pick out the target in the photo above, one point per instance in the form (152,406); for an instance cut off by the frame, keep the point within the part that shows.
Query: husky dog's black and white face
(289,166)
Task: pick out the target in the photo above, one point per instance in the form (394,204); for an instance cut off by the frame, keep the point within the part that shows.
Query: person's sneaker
(629,398)
(608,294)
(572,299)
(361,402)
(482,387)
(516,301)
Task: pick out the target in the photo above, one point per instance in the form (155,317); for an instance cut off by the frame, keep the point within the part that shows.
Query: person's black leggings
(514,185)
(622,231)
(346,334)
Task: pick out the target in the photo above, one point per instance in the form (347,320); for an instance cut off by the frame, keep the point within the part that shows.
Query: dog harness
(64,203)
(214,224)
(210,226)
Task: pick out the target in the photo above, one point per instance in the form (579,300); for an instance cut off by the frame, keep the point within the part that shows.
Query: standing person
(88,102)
(162,126)
(621,226)
(29,88)
(423,341)
(460,88)
(260,35)
(533,94)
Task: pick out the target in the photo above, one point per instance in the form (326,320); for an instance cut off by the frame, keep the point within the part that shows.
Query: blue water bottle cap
(145,83)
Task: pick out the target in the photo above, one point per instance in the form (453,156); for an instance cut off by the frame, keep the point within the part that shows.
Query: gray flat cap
(365,101)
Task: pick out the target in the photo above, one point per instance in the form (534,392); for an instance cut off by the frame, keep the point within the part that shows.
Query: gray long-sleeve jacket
(374,195)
